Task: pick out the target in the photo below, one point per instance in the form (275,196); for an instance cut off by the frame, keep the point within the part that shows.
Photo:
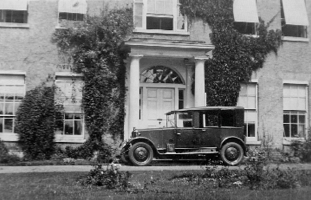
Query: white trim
(170,45)
(69,138)
(12,72)
(296,82)
(14,25)
(155,31)
(252,142)
(288,140)
(67,74)
(295,39)
(163,85)
(9,137)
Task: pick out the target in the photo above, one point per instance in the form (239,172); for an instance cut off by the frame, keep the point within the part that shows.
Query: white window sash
(295,97)
(245,11)
(72,6)
(295,12)
(13,4)
(139,17)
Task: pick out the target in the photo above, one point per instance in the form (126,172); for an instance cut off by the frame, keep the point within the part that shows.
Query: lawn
(149,185)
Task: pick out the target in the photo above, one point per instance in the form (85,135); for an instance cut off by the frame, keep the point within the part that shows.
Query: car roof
(203,108)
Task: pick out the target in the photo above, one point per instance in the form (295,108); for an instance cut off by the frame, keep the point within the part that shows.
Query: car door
(185,138)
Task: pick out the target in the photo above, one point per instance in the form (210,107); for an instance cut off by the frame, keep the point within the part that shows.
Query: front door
(158,102)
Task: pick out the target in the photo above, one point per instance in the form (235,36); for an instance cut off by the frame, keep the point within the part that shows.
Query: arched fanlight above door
(160,74)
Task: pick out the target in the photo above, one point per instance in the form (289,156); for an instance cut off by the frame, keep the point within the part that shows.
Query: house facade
(166,52)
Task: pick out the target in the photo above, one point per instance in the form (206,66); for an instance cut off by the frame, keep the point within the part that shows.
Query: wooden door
(159,101)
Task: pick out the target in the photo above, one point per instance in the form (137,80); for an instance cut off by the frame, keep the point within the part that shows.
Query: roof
(207,108)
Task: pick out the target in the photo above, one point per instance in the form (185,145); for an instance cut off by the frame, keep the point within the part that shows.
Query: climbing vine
(235,56)
(95,47)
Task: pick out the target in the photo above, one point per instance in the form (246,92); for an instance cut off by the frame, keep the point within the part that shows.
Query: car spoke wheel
(232,153)
(141,154)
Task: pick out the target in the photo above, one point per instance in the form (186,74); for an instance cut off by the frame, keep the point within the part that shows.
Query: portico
(159,79)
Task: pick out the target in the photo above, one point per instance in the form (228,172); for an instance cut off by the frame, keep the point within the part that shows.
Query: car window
(184,119)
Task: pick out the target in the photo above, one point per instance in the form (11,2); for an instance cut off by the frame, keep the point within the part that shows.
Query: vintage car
(190,132)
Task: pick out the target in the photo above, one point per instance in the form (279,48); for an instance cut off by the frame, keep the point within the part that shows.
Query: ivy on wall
(235,56)
(95,47)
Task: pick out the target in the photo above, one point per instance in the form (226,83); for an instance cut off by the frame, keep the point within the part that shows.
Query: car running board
(198,151)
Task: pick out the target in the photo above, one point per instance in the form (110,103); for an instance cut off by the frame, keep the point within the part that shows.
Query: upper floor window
(245,16)
(13,11)
(72,10)
(161,15)
(294,18)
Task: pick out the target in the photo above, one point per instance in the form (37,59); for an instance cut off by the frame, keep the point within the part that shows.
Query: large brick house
(164,44)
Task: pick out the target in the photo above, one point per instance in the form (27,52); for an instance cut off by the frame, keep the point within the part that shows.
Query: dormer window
(294,18)
(72,10)
(245,16)
(158,15)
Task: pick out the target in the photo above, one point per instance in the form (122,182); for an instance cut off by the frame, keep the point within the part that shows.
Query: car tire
(231,153)
(140,154)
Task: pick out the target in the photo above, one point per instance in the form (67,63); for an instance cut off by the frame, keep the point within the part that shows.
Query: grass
(149,185)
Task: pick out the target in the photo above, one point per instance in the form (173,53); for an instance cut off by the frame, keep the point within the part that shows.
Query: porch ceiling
(168,48)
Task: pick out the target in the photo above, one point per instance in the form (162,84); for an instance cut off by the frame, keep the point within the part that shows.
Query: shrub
(35,123)
(110,178)
(5,157)
(302,149)
(90,149)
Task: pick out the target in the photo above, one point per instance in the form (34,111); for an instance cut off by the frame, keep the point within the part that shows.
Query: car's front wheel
(232,153)
(140,154)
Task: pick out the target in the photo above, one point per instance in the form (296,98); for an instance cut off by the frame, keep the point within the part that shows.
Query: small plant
(5,157)
(302,149)
(90,150)
(110,178)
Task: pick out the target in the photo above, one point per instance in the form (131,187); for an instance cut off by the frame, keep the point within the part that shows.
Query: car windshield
(179,119)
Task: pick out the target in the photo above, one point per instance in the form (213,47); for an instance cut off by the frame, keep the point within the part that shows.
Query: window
(295,110)
(158,15)
(245,16)
(248,99)
(294,18)
(70,95)
(13,11)
(160,74)
(72,10)
(12,92)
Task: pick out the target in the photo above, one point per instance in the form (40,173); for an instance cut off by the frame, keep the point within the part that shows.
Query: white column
(134,92)
(199,92)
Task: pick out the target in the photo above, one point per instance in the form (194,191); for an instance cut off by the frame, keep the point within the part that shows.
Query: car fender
(132,141)
(233,139)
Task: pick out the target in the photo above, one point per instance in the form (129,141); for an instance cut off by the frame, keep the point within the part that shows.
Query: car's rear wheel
(140,154)
(232,153)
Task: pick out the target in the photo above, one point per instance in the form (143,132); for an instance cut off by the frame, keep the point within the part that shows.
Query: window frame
(249,110)
(298,111)
(143,15)
(12,136)
(299,34)
(244,18)
(60,135)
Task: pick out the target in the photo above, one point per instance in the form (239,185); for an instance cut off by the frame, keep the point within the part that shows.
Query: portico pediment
(168,48)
